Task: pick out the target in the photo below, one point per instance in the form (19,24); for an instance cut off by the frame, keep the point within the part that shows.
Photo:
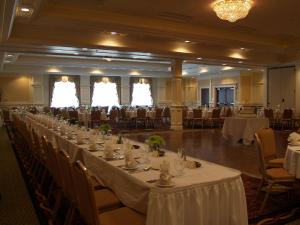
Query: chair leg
(260,187)
(266,197)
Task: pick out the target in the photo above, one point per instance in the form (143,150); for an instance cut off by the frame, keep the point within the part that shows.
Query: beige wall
(249,87)
(16,89)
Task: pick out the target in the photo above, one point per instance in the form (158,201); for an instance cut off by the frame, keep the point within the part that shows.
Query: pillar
(85,89)
(297,94)
(176,105)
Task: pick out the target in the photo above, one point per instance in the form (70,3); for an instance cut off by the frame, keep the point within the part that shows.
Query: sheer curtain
(141,92)
(105,94)
(64,95)
(53,79)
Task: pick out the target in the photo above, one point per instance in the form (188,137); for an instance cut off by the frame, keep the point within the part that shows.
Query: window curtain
(135,80)
(57,78)
(96,79)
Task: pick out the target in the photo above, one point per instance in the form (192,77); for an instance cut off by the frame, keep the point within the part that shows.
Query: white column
(37,85)
(176,107)
(125,91)
(297,94)
(85,90)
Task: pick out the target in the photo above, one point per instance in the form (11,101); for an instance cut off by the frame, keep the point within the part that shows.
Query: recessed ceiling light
(242,48)
(85,49)
(107,59)
(204,70)
(199,58)
(240,62)
(76,53)
(249,69)
(224,64)
(135,73)
(227,68)
(53,70)
(113,33)
(187,41)
(9,55)
(97,72)
(24,9)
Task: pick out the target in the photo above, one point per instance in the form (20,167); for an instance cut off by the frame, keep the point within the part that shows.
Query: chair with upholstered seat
(87,200)
(268,144)
(197,117)
(272,176)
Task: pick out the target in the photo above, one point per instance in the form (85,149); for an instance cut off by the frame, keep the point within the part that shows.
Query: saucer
(158,184)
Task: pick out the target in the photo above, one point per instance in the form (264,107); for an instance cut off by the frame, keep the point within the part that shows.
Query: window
(105,94)
(64,95)
(141,94)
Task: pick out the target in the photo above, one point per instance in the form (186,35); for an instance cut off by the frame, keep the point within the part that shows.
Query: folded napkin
(129,158)
(294,139)
(108,150)
(80,138)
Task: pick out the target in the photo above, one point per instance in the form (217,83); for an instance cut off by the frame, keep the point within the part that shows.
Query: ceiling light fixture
(240,62)
(187,41)
(113,33)
(227,68)
(199,58)
(23,9)
(224,64)
(232,10)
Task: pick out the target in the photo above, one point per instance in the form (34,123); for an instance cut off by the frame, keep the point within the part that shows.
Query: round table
(239,128)
(292,160)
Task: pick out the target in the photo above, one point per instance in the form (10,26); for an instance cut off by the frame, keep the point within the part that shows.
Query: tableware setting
(165,178)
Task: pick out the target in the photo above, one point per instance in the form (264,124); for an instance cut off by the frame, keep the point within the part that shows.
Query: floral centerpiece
(104,128)
(155,142)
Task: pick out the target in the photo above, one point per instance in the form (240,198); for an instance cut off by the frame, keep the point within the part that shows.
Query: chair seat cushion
(279,174)
(122,216)
(106,199)
(278,162)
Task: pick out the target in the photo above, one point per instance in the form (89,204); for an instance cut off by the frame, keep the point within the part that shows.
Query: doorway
(225,96)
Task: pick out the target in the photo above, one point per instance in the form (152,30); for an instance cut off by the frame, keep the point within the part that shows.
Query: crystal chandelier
(232,10)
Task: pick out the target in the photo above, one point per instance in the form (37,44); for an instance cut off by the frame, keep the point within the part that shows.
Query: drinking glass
(179,165)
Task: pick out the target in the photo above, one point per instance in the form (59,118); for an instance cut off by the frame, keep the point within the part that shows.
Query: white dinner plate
(158,184)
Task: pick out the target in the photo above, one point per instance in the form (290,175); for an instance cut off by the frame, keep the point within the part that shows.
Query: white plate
(171,184)
(130,168)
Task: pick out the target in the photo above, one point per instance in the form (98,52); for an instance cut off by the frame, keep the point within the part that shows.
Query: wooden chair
(185,120)
(271,176)
(157,120)
(268,144)
(197,117)
(106,214)
(287,119)
(167,115)
(73,114)
(215,118)
(95,118)
(141,117)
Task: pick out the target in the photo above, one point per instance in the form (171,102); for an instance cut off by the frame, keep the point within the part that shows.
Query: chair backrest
(84,192)
(184,113)
(287,114)
(166,112)
(216,113)
(53,164)
(228,112)
(268,142)
(262,162)
(73,114)
(65,165)
(197,113)
(95,115)
(158,113)
(141,113)
(269,113)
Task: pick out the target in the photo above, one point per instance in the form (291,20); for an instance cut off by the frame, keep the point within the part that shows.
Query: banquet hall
(149,112)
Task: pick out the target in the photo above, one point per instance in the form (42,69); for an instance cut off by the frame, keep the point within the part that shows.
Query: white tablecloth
(236,128)
(292,160)
(209,195)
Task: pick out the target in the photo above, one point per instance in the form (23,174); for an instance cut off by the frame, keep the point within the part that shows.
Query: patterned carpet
(279,209)
(15,205)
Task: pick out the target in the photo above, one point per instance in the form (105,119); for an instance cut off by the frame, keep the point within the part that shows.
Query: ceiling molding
(7,10)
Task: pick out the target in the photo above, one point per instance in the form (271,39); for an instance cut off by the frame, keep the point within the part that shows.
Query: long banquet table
(209,195)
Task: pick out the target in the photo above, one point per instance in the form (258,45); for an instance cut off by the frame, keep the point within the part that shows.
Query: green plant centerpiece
(155,142)
(105,128)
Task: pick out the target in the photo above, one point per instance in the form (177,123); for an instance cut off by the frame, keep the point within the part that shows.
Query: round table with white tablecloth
(292,160)
(237,128)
